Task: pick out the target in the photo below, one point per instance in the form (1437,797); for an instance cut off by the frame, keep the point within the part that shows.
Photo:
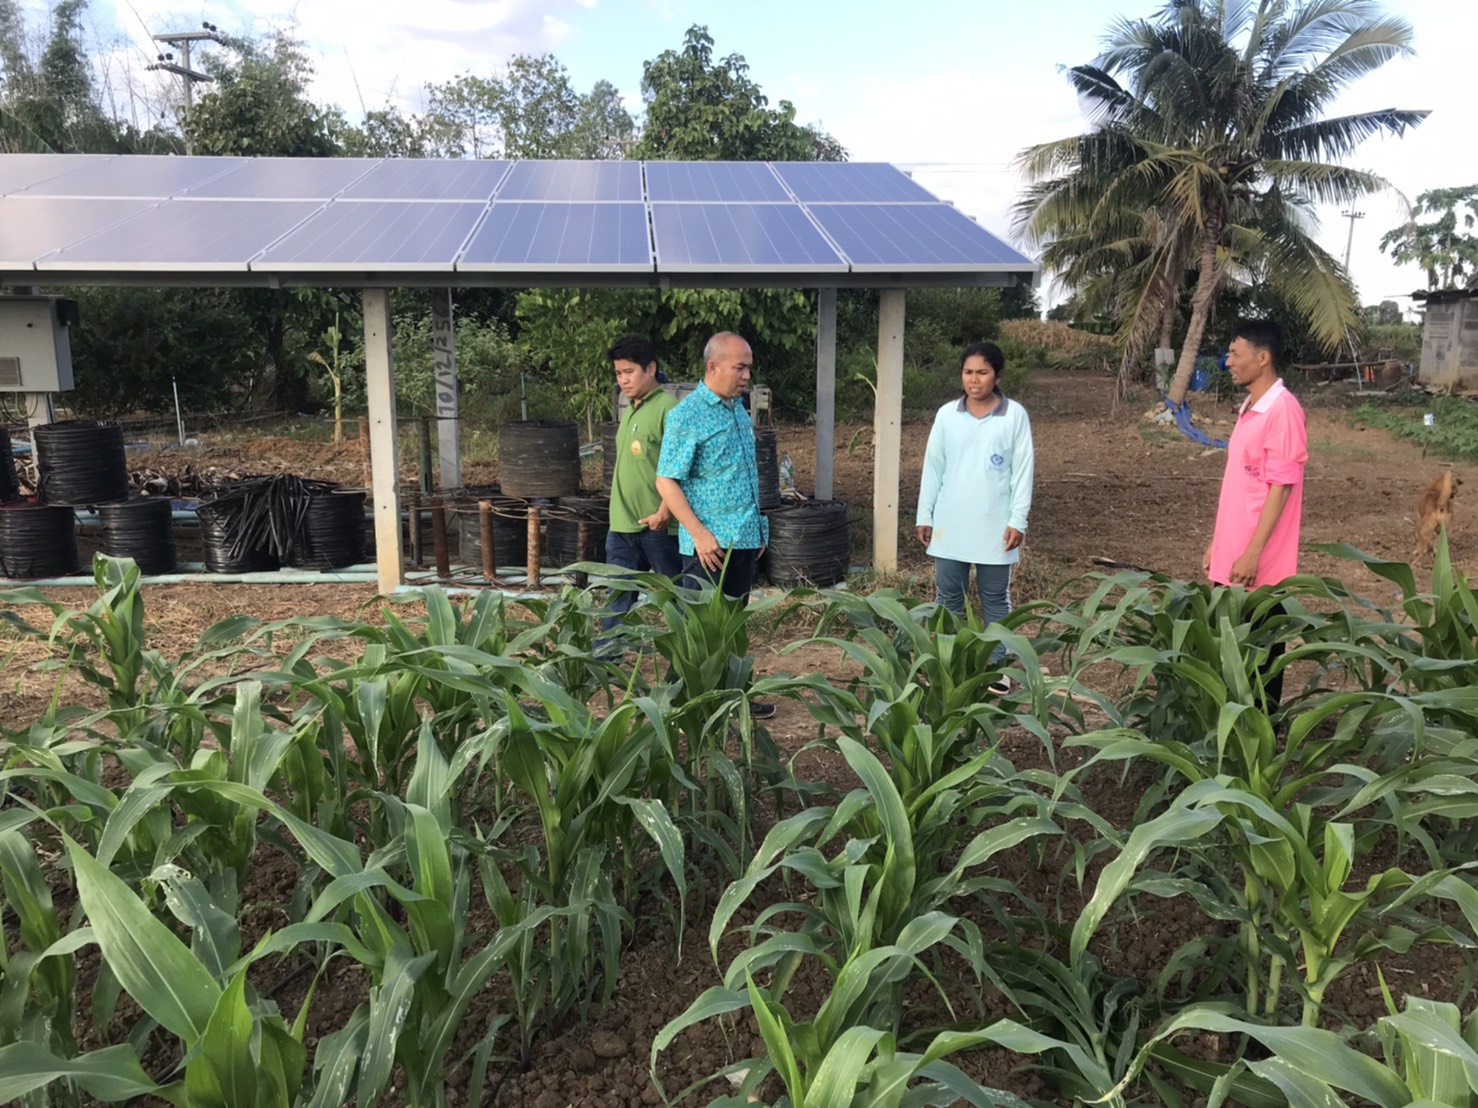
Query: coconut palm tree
(1209,125)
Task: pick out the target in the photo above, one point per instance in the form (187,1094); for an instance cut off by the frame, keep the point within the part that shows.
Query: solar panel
(287,179)
(130,176)
(19,171)
(550,237)
(851,183)
(913,237)
(572,181)
(407,179)
(375,234)
(185,235)
(695,238)
(731,182)
(30,229)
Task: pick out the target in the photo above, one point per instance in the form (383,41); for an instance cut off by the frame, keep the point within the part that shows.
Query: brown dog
(1433,511)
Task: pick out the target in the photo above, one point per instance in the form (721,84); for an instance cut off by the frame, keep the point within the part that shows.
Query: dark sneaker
(761,709)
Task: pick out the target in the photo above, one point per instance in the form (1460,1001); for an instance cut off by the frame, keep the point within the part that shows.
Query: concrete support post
(384,440)
(887,431)
(826,392)
(444,358)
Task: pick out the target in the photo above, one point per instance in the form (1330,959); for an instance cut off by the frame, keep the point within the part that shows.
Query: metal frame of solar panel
(493,222)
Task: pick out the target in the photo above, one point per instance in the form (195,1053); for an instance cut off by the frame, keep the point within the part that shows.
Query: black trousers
(1272,684)
(735,577)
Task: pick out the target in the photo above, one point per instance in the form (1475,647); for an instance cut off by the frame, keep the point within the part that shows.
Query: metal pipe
(178,418)
(582,542)
(413,500)
(438,538)
(425,425)
(533,559)
(489,555)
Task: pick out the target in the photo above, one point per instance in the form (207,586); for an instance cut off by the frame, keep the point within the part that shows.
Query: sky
(950,90)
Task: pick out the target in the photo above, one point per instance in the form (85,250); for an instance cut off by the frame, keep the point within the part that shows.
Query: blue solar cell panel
(287,179)
(715,182)
(20,171)
(548,237)
(694,238)
(851,183)
(186,235)
(412,179)
(137,175)
(920,237)
(375,234)
(572,181)
(31,229)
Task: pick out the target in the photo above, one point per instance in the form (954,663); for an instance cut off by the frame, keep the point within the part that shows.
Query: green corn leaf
(778,1042)
(223,1073)
(110,1074)
(337,1060)
(389,1009)
(845,1065)
(154,967)
(653,818)
(711,1003)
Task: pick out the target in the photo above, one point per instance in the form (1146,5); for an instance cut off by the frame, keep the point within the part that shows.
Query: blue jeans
(644,551)
(736,578)
(993,582)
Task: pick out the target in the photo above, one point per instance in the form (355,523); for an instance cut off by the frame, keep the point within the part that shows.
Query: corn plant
(36,981)
(1294,904)
(852,1038)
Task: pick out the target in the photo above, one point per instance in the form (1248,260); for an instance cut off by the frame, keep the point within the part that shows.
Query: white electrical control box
(35,343)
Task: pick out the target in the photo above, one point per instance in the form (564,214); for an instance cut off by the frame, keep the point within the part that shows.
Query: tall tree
(1444,245)
(707,110)
(1212,115)
(531,111)
(259,105)
(47,98)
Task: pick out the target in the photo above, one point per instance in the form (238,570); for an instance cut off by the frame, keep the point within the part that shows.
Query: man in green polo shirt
(643,534)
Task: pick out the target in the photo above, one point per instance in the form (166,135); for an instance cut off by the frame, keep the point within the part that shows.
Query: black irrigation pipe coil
(608,433)
(79,463)
(510,525)
(141,528)
(810,544)
(539,459)
(220,532)
(565,517)
(333,532)
(38,540)
(255,523)
(767,460)
(10,488)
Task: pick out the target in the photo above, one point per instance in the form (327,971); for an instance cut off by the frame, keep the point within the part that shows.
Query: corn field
(476,808)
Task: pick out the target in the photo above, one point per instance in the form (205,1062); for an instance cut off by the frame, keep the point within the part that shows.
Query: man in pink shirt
(1257,518)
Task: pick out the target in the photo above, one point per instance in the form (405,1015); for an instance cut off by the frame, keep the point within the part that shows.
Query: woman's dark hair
(987,350)
(632,347)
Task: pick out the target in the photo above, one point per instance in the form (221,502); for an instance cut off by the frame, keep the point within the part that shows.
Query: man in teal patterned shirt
(709,480)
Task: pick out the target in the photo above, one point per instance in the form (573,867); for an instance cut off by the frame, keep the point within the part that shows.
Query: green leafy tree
(707,110)
(1385,314)
(1443,245)
(531,111)
(259,105)
(1212,115)
(387,133)
(47,97)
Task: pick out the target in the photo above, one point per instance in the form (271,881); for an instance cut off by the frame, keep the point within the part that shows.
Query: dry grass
(1056,338)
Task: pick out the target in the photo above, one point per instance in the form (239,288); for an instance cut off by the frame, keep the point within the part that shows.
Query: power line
(182,41)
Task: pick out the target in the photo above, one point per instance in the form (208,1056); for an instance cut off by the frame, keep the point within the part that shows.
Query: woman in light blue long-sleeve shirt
(976,490)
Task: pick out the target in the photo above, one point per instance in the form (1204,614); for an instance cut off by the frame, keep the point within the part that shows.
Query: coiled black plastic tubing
(333,532)
(539,459)
(142,529)
(79,462)
(38,540)
(810,543)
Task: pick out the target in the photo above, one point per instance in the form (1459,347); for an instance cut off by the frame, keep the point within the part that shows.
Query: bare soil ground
(1108,485)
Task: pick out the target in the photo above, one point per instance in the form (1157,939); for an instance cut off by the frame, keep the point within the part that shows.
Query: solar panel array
(84,214)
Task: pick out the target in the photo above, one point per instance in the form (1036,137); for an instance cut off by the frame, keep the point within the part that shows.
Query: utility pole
(1350,241)
(181,41)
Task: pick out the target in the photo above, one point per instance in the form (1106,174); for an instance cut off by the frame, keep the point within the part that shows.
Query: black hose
(510,526)
(563,538)
(38,540)
(141,528)
(333,532)
(267,514)
(220,538)
(810,544)
(539,459)
(10,487)
(608,432)
(79,463)
(766,457)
